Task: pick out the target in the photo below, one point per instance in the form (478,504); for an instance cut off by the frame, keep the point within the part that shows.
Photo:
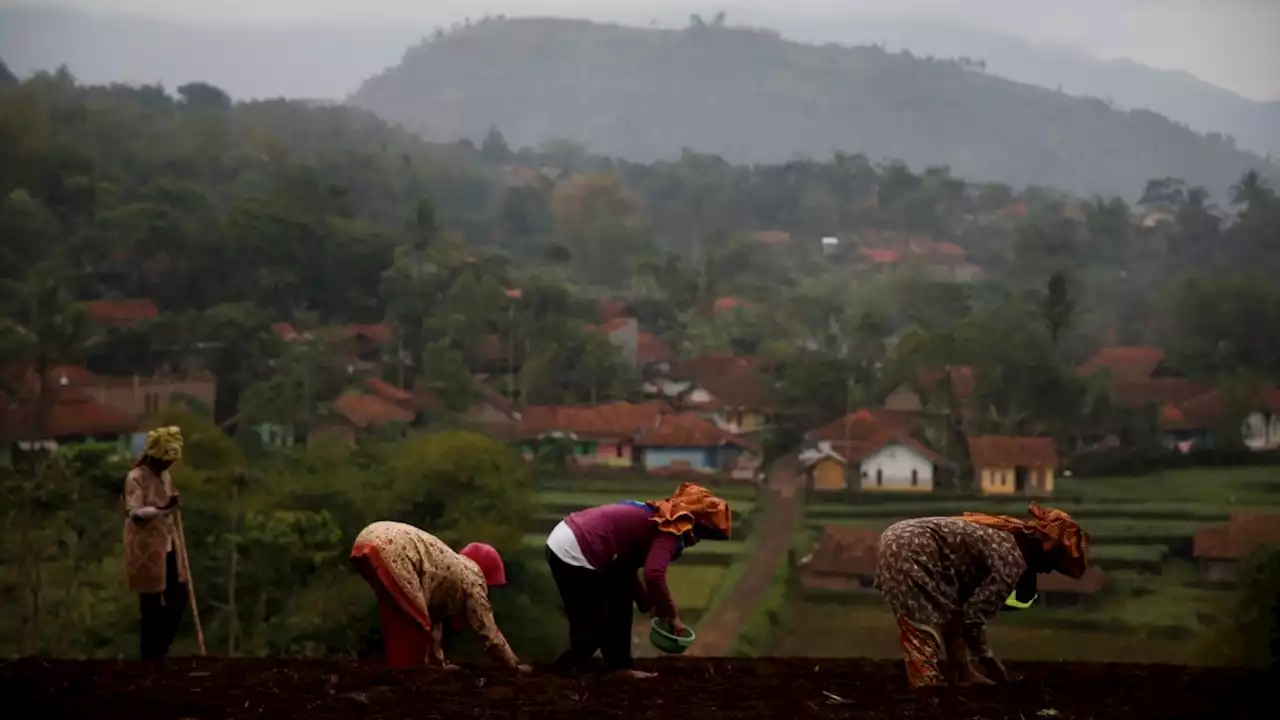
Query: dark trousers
(162,612)
(598,605)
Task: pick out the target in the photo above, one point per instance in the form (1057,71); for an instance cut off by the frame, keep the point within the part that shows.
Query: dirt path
(718,630)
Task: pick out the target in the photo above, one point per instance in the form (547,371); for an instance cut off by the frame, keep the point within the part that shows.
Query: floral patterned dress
(944,576)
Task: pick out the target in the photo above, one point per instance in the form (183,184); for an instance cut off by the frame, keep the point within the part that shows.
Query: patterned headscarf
(164,444)
(1065,543)
(692,505)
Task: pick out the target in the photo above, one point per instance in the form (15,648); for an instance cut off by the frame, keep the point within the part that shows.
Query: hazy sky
(1230,43)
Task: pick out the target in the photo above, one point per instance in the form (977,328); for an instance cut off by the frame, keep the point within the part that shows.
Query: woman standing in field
(153,552)
(946,577)
(420,582)
(594,555)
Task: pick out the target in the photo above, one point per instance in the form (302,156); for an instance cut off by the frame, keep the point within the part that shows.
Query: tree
(1057,307)
(601,221)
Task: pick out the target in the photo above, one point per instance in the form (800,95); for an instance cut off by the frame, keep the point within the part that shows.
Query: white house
(897,463)
(1261,430)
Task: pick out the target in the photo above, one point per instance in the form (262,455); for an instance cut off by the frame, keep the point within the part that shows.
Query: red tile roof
(1007,452)
(284,330)
(857,452)
(737,390)
(772,237)
(725,304)
(880,256)
(611,308)
(72,413)
(946,248)
(845,551)
(1238,537)
(612,420)
(367,410)
(688,430)
(388,392)
(962,380)
(862,425)
(1132,363)
(651,349)
(121,313)
(615,324)
(380,333)
(715,365)
(1135,394)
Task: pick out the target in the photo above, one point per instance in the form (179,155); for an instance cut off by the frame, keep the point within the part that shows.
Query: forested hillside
(751,96)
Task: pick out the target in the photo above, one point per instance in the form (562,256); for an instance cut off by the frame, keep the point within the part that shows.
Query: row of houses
(877,449)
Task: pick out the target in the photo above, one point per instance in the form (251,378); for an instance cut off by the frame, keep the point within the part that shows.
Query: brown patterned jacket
(146,542)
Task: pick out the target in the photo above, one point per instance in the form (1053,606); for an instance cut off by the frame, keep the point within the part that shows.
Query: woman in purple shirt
(594,555)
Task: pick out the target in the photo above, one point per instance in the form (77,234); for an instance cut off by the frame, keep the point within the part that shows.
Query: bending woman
(420,582)
(594,555)
(946,577)
(153,552)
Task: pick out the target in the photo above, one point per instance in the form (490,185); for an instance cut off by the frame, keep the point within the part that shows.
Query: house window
(915,477)
(879,477)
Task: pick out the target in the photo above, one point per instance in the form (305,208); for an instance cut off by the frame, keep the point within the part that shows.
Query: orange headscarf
(1065,543)
(689,505)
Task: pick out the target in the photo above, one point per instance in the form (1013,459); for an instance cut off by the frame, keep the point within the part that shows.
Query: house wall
(1261,431)
(904,399)
(1003,481)
(612,454)
(483,412)
(275,435)
(141,396)
(828,476)
(692,457)
(891,469)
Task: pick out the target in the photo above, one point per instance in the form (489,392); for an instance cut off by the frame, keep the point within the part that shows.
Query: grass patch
(695,586)
(1153,554)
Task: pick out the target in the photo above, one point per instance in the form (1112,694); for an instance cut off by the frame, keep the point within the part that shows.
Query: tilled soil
(686,689)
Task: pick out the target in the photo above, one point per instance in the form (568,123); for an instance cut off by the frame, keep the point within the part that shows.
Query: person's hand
(524,669)
(677,627)
(994,670)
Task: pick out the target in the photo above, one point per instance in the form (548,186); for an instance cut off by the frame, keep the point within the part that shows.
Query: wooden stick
(191,586)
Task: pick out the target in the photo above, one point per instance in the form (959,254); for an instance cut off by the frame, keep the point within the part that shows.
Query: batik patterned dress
(436,582)
(943,576)
(147,542)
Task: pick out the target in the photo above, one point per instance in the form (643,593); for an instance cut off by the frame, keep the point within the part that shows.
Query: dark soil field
(687,689)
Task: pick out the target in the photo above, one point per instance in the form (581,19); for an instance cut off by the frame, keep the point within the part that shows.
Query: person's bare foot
(635,674)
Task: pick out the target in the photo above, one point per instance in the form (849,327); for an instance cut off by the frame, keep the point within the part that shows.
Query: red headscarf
(489,560)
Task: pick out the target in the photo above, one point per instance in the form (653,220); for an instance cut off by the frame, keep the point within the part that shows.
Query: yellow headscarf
(164,444)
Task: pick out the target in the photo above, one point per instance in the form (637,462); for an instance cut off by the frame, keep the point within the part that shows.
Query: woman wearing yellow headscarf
(153,566)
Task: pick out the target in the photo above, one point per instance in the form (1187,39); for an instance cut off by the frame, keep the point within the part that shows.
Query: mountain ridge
(645,94)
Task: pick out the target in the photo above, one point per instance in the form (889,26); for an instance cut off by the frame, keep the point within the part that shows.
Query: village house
(1220,548)
(843,560)
(1013,465)
(735,393)
(70,416)
(120,314)
(889,460)
(650,435)
(687,441)
(354,413)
